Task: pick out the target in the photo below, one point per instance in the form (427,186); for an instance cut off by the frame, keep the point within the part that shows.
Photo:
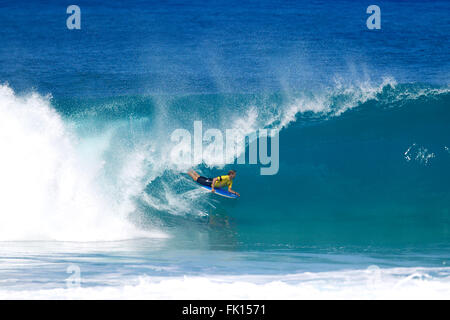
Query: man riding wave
(217,182)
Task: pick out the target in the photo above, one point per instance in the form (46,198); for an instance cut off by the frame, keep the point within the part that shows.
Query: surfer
(217,182)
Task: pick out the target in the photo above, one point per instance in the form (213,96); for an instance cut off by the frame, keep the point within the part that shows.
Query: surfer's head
(232,174)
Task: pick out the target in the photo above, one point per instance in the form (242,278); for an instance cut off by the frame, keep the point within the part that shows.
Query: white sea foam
(371,283)
(49,179)
(419,154)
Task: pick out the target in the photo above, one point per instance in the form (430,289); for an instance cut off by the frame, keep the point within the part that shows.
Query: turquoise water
(358,208)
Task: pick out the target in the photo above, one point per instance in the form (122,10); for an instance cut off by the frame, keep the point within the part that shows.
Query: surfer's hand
(213,191)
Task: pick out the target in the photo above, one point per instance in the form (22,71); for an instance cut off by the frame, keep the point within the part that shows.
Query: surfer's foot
(194,175)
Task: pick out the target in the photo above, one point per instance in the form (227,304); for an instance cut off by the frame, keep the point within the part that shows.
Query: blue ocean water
(358,208)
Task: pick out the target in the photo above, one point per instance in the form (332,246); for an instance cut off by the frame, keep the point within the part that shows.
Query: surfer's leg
(204,181)
(194,175)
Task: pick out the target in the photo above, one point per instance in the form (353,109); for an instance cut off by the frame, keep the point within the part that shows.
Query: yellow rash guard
(223,181)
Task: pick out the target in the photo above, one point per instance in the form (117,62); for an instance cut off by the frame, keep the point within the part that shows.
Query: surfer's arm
(232,191)
(213,183)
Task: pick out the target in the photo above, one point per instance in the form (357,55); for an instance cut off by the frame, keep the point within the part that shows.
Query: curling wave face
(97,169)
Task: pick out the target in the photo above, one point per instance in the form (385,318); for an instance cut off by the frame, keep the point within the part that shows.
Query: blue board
(220,192)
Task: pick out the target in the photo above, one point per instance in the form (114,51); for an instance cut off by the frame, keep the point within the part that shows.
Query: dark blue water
(87,117)
(143,47)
